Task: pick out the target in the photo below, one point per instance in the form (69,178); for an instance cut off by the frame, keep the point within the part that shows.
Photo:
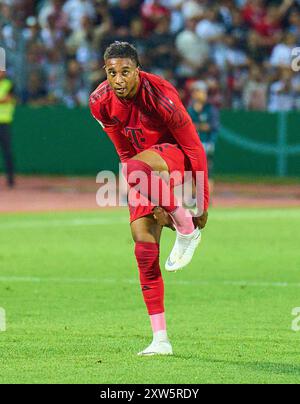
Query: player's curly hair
(122,50)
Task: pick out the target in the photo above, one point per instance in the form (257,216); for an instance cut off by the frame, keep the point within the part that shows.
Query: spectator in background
(209,28)
(7,107)
(183,40)
(81,45)
(55,73)
(296,91)
(53,7)
(281,92)
(81,36)
(194,51)
(122,16)
(76,90)
(238,29)
(152,12)
(192,9)
(255,90)
(282,53)
(161,51)
(230,54)
(36,58)
(36,92)
(5,14)
(176,15)
(32,31)
(52,37)
(102,22)
(75,10)
(236,80)
(206,119)
(253,12)
(294,24)
(213,79)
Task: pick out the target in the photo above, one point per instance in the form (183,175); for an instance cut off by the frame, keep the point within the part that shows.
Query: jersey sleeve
(112,128)
(184,132)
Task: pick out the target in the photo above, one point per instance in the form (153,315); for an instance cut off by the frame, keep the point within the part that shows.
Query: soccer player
(152,132)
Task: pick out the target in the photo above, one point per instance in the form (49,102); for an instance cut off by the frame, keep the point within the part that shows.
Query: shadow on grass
(268,367)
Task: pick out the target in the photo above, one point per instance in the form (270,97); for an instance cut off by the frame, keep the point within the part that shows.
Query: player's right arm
(112,128)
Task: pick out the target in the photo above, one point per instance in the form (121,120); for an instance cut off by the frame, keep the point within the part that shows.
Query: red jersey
(154,116)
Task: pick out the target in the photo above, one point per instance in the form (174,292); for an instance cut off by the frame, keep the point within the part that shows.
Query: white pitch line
(257,214)
(214,215)
(58,223)
(263,284)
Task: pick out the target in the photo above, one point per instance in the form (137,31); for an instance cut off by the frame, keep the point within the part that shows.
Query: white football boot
(160,345)
(183,250)
(157,348)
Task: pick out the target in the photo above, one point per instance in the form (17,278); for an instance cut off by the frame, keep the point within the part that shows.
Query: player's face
(123,76)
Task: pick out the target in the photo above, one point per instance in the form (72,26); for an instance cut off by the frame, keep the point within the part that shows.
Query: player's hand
(201,220)
(163,218)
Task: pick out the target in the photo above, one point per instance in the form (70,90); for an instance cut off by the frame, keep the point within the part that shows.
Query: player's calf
(147,255)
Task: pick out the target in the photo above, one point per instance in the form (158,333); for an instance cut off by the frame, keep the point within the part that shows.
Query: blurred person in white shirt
(76,9)
(209,28)
(193,50)
(282,53)
(256,90)
(281,96)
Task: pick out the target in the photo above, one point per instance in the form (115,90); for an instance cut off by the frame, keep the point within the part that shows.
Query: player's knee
(153,160)
(143,237)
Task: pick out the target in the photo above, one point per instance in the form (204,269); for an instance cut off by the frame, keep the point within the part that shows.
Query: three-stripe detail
(164,101)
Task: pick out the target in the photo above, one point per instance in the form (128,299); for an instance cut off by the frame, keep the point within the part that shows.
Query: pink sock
(158,322)
(183,220)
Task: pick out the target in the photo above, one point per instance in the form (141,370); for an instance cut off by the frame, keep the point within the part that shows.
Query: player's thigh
(168,159)
(153,159)
(146,229)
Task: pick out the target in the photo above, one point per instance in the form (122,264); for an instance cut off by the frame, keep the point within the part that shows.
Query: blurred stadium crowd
(242,49)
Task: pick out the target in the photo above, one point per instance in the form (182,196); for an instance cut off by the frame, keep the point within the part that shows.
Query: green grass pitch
(69,286)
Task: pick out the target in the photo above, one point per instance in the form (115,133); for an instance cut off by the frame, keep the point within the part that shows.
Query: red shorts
(176,161)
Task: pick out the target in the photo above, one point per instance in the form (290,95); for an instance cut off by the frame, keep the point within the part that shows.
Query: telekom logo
(2,60)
